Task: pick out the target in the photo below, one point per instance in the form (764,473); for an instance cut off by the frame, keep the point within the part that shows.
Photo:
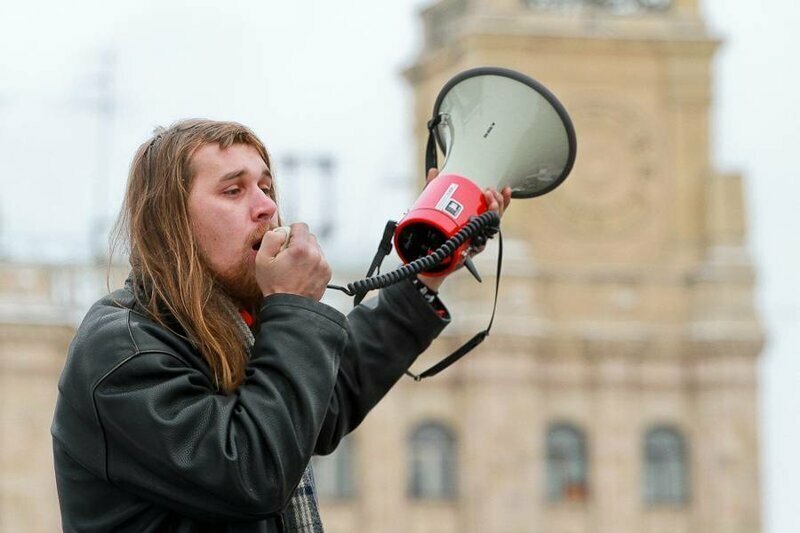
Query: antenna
(103,103)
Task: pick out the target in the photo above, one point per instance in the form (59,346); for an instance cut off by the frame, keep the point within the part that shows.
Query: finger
(299,234)
(304,246)
(314,249)
(491,200)
(498,197)
(274,241)
(501,206)
(432,173)
(501,199)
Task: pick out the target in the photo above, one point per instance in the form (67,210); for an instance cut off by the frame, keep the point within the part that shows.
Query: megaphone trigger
(472,269)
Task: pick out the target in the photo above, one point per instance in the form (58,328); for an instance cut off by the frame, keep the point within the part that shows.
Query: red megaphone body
(444,207)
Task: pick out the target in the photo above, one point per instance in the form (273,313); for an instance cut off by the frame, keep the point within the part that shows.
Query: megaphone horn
(497,128)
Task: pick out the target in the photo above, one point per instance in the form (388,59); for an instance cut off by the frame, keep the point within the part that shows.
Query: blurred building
(618,390)
(40,307)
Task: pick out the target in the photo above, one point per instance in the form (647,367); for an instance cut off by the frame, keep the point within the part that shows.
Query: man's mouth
(257,237)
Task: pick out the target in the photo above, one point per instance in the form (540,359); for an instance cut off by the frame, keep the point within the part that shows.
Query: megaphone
(497,128)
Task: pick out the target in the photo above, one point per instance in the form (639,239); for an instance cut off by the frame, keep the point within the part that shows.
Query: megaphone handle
(468,346)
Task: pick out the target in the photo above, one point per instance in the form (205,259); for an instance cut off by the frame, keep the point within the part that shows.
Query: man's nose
(263,207)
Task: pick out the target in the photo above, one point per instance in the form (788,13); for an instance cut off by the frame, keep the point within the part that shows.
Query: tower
(626,317)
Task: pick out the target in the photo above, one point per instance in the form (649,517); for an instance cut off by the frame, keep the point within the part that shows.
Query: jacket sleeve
(171,439)
(386,335)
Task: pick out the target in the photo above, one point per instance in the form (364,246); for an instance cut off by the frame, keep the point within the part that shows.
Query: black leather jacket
(143,442)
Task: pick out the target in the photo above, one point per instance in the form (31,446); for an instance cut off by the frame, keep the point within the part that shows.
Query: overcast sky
(318,79)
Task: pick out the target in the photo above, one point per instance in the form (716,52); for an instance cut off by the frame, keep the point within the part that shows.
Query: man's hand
(299,269)
(497,201)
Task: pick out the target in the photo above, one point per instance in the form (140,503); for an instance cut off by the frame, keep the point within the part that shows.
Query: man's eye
(233,191)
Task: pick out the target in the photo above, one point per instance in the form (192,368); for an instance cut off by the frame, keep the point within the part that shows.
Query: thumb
(274,241)
(432,173)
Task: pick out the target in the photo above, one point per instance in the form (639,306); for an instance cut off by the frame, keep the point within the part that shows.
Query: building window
(665,469)
(566,464)
(334,474)
(433,462)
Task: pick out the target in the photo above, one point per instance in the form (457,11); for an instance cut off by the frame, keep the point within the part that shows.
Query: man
(193,398)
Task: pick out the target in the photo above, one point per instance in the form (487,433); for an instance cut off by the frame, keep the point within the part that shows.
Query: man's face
(230,210)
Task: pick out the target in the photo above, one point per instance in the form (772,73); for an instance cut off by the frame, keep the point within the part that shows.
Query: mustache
(257,234)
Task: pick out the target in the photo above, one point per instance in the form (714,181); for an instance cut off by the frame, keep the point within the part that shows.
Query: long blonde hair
(170,279)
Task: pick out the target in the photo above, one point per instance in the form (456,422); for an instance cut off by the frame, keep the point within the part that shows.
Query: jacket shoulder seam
(130,333)
(94,398)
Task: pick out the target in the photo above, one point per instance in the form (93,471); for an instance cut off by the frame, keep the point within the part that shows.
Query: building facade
(40,307)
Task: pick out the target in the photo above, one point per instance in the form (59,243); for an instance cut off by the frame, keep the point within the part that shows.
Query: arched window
(665,469)
(566,464)
(433,462)
(334,474)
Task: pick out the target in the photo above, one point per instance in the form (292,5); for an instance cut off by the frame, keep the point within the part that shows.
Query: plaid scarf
(302,513)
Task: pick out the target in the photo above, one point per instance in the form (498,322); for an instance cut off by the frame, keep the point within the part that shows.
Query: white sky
(322,78)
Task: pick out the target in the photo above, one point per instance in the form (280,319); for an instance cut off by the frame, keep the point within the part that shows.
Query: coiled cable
(488,223)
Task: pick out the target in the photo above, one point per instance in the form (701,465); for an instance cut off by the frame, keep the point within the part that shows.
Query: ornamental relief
(613,189)
(621,7)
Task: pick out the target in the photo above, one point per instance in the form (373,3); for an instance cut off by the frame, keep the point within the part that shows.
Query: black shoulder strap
(474,341)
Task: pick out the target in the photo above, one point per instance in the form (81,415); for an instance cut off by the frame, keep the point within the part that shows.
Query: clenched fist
(299,267)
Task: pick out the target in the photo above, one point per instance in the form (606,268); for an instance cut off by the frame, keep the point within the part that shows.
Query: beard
(239,282)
